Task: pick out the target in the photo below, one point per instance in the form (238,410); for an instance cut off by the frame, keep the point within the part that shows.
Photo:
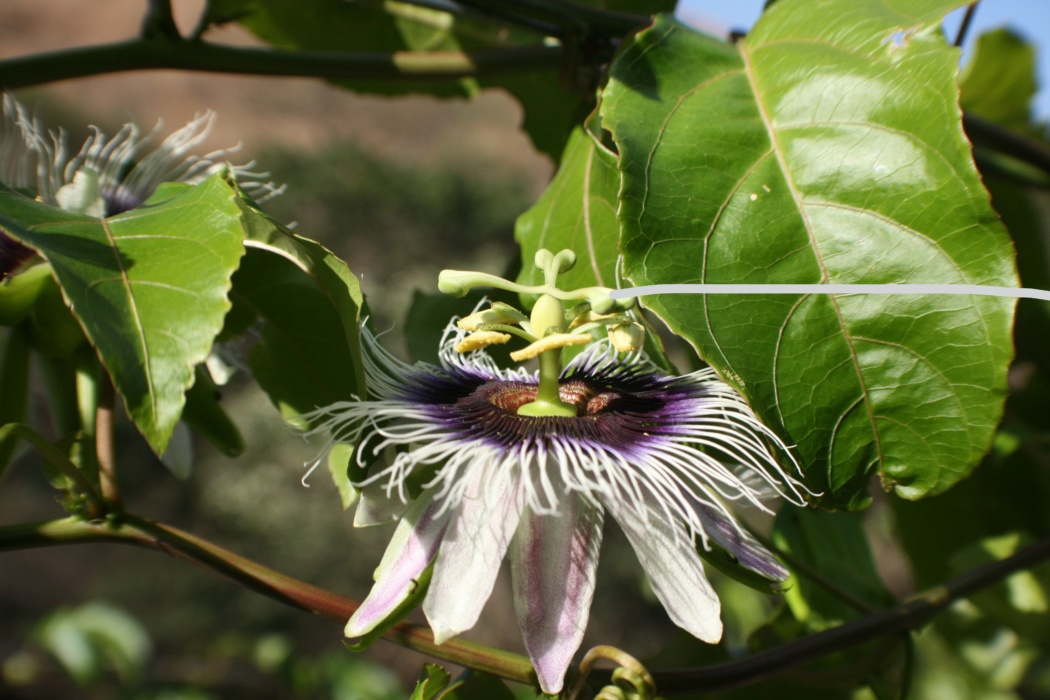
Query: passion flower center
(509,396)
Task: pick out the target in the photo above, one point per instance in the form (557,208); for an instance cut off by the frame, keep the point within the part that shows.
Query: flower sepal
(732,566)
(410,603)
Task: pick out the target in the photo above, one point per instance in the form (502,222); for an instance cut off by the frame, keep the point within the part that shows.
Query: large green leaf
(148,286)
(826,147)
(577,211)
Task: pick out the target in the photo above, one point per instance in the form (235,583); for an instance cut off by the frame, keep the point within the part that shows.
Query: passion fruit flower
(476,460)
(108,176)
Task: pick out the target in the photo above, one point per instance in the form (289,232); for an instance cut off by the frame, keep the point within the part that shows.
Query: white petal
(413,546)
(673,567)
(553,563)
(473,547)
(375,507)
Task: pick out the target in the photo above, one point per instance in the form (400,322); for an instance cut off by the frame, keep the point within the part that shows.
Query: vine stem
(160,21)
(964,27)
(96,502)
(153,53)
(907,616)
(104,418)
(141,532)
(129,529)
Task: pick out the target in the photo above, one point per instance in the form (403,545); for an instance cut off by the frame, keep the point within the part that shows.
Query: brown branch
(256,577)
(153,54)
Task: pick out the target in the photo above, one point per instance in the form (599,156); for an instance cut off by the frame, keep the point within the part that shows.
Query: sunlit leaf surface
(148,286)
(826,147)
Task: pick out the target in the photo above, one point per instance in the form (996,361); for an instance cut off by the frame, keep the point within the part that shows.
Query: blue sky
(1030,18)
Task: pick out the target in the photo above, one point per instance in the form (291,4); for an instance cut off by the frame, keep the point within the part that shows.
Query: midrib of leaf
(749,72)
(136,319)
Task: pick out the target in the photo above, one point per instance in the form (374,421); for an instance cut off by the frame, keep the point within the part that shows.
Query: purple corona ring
(470,478)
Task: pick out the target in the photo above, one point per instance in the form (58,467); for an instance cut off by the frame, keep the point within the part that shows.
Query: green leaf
(95,636)
(827,147)
(1022,207)
(998,83)
(475,685)
(310,349)
(410,603)
(551,110)
(53,330)
(428,316)
(148,286)
(432,680)
(576,211)
(1022,600)
(833,573)
(302,359)
(1004,495)
(892,678)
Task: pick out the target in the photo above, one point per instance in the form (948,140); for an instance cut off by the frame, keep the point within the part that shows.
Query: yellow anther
(471,322)
(476,341)
(550,342)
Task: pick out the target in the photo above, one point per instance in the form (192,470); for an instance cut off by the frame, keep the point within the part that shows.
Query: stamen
(480,339)
(471,322)
(551,342)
